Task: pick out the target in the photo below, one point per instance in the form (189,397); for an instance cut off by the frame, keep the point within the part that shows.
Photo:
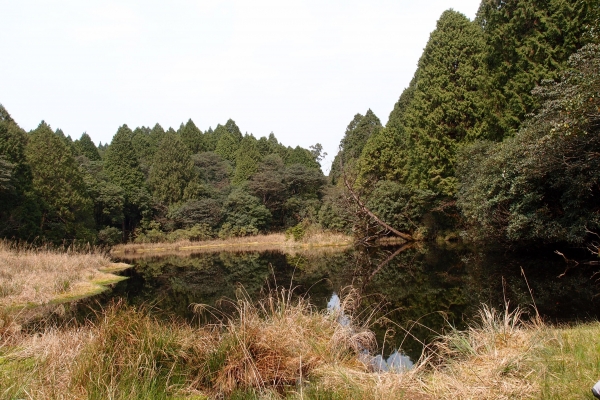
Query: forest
(496,139)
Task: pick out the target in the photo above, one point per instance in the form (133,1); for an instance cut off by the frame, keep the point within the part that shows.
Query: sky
(299,69)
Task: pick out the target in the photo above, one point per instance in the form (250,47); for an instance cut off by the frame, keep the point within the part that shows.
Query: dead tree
(364,209)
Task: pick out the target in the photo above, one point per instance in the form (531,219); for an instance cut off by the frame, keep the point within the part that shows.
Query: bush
(543,184)
(110,236)
(297,232)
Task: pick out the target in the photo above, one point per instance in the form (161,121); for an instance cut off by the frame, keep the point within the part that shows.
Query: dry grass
(279,348)
(276,344)
(274,241)
(490,360)
(31,277)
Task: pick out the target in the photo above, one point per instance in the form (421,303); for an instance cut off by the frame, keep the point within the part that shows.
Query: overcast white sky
(299,69)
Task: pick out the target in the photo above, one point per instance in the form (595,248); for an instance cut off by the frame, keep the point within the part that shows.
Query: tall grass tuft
(131,355)
(277,344)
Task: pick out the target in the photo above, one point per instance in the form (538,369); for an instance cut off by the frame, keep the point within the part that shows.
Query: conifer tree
(156,136)
(172,170)
(232,128)
(528,41)
(192,137)
(123,169)
(65,205)
(358,132)
(227,146)
(19,214)
(86,147)
(451,104)
(247,159)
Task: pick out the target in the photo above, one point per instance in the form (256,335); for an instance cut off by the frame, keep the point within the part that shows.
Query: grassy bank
(275,241)
(32,277)
(282,349)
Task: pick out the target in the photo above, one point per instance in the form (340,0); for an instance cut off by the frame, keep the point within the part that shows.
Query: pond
(409,294)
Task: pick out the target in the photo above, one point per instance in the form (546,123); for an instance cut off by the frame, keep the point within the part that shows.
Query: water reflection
(410,295)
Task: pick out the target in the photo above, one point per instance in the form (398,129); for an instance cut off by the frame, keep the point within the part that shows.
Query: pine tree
(58,183)
(451,104)
(86,147)
(19,214)
(123,169)
(172,170)
(528,41)
(192,137)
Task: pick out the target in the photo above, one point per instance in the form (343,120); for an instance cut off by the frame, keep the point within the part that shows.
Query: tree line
(497,133)
(496,136)
(151,185)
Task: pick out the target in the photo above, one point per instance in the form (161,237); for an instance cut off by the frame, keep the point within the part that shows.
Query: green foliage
(121,163)
(86,147)
(528,41)
(299,155)
(108,198)
(450,105)
(58,184)
(399,206)
(201,211)
(212,169)
(247,158)
(110,236)
(172,170)
(335,212)
(233,129)
(297,232)
(227,146)
(384,156)
(268,183)
(244,215)
(6,171)
(19,214)
(358,132)
(194,233)
(192,137)
(542,185)
(122,168)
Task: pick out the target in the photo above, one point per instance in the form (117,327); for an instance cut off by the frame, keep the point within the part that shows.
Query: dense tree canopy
(58,184)
(479,138)
(543,184)
(172,170)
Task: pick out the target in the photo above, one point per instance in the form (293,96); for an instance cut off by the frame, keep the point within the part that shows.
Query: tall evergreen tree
(172,170)
(58,183)
(232,128)
(452,104)
(86,147)
(247,159)
(227,146)
(528,41)
(192,137)
(19,214)
(123,169)
(358,132)
(384,156)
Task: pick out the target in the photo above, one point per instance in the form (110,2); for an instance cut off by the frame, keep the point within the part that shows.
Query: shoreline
(274,241)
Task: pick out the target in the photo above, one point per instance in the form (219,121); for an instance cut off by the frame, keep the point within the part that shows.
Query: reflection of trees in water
(419,291)
(418,288)
(173,283)
(495,275)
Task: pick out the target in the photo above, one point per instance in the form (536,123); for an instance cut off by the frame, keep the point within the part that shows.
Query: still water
(408,294)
